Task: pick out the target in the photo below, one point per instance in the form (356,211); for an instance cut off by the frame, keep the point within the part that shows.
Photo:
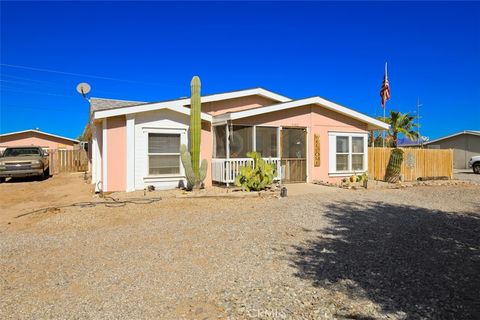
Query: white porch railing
(226,170)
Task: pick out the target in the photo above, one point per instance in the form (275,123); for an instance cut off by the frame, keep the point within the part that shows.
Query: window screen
(163,153)
(266,141)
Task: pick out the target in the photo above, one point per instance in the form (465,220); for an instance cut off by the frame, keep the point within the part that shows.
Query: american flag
(385,90)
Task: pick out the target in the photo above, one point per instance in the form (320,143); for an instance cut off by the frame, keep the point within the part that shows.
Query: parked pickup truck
(474,163)
(24,162)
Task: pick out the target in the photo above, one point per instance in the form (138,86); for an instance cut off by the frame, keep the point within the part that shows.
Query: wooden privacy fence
(417,163)
(68,160)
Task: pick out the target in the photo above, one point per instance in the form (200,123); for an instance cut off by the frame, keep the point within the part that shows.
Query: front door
(294,154)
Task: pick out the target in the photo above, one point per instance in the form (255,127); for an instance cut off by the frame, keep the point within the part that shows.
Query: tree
(400,123)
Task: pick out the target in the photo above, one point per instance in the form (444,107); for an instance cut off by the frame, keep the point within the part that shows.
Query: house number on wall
(316,153)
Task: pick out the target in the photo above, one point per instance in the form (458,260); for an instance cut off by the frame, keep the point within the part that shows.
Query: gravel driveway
(365,254)
(466,175)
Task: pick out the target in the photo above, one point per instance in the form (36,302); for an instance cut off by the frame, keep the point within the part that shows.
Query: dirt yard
(19,196)
(321,253)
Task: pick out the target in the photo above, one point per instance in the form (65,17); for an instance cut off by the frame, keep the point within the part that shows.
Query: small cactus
(258,177)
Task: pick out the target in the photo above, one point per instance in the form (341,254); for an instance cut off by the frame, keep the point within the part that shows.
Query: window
(266,141)
(358,153)
(347,152)
(163,153)
(342,153)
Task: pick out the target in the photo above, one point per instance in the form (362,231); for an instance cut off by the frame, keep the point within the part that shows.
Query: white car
(474,163)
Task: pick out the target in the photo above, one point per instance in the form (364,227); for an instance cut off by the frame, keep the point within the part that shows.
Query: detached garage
(465,145)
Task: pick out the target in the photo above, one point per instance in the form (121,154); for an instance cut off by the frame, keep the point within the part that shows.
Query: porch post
(227,142)
(227,154)
(254,138)
(279,152)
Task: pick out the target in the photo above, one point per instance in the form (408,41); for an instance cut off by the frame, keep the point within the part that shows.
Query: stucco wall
(35,139)
(464,147)
(317,120)
(116,153)
(237,104)
(207,150)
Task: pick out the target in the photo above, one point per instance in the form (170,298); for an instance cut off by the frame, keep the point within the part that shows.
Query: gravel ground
(364,254)
(466,175)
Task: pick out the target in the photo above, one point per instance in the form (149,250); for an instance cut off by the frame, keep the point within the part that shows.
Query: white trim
(167,177)
(227,141)
(307,146)
(94,154)
(332,153)
(97,156)
(171,105)
(179,104)
(41,132)
(344,174)
(373,123)
(472,132)
(130,152)
(104,156)
(279,142)
(254,138)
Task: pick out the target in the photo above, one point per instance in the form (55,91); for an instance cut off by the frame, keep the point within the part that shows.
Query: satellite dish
(83,88)
(425,139)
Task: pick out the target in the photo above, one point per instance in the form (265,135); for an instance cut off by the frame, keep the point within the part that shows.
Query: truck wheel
(42,176)
(2,179)
(476,168)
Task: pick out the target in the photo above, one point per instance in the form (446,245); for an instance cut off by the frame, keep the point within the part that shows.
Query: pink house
(136,144)
(36,138)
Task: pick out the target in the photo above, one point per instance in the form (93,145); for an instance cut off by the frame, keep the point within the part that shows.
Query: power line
(84,75)
(23,78)
(50,84)
(4,88)
(40,108)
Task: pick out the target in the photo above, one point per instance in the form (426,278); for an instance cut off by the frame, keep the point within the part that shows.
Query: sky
(149,51)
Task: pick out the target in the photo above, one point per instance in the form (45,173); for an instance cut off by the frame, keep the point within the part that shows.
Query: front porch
(226,170)
(231,144)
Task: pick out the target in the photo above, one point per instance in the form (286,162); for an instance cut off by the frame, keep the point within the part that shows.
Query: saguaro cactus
(394,165)
(194,171)
(195,123)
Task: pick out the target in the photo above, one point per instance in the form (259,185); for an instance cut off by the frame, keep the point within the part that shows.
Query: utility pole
(418,121)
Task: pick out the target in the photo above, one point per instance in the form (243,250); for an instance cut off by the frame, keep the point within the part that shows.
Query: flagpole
(384,131)
(384,108)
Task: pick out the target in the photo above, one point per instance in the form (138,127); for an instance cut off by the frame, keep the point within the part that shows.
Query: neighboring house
(465,144)
(406,142)
(36,138)
(136,144)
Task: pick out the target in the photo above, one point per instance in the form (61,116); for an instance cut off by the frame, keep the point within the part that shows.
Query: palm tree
(400,123)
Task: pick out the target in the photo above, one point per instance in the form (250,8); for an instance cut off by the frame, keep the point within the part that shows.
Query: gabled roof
(38,131)
(472,132)
(373,124)
(98,105)
(100,114)
(104,103)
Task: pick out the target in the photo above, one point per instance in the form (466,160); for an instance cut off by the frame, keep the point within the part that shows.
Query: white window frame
(183,140)
(332,141)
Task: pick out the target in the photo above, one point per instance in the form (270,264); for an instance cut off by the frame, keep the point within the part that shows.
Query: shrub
(257,178)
